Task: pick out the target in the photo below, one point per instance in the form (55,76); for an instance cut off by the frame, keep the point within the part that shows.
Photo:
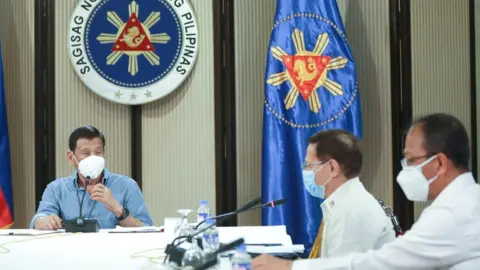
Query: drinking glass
(184,229)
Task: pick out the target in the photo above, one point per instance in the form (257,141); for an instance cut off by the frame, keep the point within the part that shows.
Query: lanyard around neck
(80,204)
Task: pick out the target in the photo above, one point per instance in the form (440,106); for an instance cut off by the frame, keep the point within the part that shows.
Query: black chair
(389,212)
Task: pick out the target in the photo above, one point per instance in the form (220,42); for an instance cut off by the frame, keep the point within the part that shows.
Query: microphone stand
(221,218)
(247,207)
(80,224)
(175,254)
(212,259)
(80,217)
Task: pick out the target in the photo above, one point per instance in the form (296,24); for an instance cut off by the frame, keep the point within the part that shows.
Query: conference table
(102,250)
(84,251)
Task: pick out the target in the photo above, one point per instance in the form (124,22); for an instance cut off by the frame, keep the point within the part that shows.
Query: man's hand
(267,262)
(104,195)
(52,222)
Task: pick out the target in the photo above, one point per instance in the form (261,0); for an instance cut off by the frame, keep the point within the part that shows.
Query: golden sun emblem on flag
(133,38)
(307,71)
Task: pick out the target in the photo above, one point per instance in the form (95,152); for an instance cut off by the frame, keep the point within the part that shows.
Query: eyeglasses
(306,166)
(411,161)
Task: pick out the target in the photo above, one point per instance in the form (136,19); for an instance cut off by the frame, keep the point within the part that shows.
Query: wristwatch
(124,215)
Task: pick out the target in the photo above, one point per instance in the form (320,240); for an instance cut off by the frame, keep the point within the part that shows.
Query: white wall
(179,135)
(441,61)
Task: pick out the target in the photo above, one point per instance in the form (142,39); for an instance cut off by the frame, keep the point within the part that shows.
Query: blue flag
(6,193)
(311,85)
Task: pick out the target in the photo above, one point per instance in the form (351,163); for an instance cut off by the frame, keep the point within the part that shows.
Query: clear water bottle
(203,211)
(210,240)
(241,260)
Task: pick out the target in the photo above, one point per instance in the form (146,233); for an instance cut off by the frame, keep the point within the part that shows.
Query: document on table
(28,232)
(275,249)
(266,249)
(256,235)
(146,229)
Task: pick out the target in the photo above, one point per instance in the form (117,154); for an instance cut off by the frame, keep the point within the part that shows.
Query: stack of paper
(256,235)
(276,249)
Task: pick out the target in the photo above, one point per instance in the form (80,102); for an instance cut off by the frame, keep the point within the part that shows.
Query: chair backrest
(389,212)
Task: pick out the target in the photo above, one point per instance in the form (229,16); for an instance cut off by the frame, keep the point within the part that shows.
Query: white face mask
(91,167)
(413,183)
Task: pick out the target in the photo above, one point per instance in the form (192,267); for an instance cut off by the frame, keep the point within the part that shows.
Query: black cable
(188,237)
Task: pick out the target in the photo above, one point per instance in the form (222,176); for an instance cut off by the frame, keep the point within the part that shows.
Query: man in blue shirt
(112,199)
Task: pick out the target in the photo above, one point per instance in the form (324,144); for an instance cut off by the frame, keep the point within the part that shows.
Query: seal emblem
(307,71)
(310,65)
(133,52)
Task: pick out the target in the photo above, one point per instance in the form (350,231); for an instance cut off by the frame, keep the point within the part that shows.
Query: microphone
(80,216)
(176,254)
(274,203)
(245,207)
(80,224)
(270,204)
(221,218)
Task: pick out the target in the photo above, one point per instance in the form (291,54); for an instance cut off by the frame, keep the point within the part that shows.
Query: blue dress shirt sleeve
(48,205)
(136,204)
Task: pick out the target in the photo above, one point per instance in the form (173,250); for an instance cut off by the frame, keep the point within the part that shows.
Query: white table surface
(84,251)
